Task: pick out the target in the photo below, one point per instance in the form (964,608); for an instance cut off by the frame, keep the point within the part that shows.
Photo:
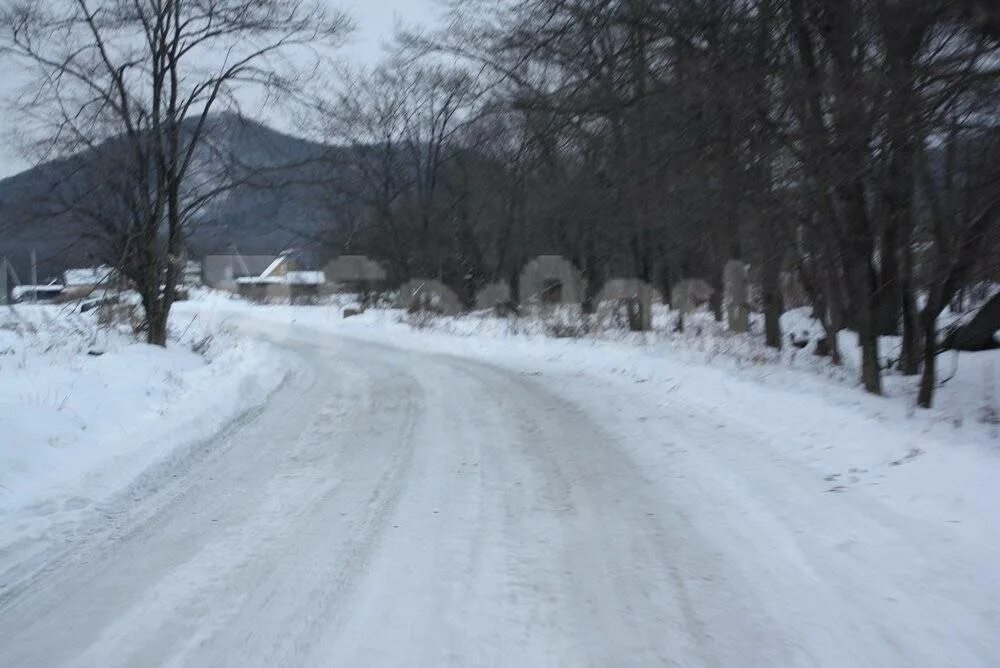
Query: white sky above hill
(375,22)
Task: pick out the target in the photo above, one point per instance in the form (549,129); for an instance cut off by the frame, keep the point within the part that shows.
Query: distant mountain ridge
(287,205)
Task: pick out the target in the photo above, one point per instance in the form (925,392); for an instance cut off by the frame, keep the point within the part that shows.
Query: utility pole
(3,281)
(34,277)
(243,263)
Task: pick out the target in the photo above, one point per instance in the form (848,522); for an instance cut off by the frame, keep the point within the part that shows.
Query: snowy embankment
(85,410)
(810,503)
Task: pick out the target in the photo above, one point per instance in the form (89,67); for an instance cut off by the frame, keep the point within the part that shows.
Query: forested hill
(287,203)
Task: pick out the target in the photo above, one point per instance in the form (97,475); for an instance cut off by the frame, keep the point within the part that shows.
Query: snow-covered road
(397,508)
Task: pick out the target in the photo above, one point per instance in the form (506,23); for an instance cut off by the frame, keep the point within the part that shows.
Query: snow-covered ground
(85,409)
(844,509)
(483,493)
(815,412)
(969,395)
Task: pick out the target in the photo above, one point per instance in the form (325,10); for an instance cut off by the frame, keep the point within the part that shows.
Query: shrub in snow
(419,319)
(566,321)
(426,294)
(120,315)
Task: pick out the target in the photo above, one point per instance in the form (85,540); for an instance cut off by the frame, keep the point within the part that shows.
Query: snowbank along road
(395,508)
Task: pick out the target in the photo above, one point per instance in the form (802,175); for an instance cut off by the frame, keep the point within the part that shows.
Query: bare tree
(963,219)
(130,86)
(397,133)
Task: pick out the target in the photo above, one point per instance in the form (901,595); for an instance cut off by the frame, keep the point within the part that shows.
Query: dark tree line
(848,144)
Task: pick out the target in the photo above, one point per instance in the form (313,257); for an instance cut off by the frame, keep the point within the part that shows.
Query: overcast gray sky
(375,20)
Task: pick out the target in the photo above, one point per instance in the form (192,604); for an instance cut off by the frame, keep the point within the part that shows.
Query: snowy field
(713,502)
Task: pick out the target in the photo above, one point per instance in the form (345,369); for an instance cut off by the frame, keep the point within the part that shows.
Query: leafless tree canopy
(848,145)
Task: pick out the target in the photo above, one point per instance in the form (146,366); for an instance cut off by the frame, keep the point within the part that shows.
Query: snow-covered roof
(290,278)
(87,275)
(20,291)
(261,280)
(273,267)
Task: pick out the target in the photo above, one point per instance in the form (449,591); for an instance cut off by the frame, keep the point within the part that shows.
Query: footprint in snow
(909,457)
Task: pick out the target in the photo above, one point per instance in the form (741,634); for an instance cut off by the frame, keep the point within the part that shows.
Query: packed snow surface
(85,410)
(479,496)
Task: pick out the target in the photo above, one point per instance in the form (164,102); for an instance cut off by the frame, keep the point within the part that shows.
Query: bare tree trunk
(773,303)
(871,372)
(909,363)
(718,292)
(928,379)
(887,303)
(866,305)
(157,315)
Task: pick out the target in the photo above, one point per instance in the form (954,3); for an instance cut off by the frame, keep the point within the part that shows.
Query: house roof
(218,268)
(274,266)
(88,275)
(290,278)
(20,291)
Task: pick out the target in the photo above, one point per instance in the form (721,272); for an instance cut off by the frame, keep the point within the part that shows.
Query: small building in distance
(222,271)
(282,281)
